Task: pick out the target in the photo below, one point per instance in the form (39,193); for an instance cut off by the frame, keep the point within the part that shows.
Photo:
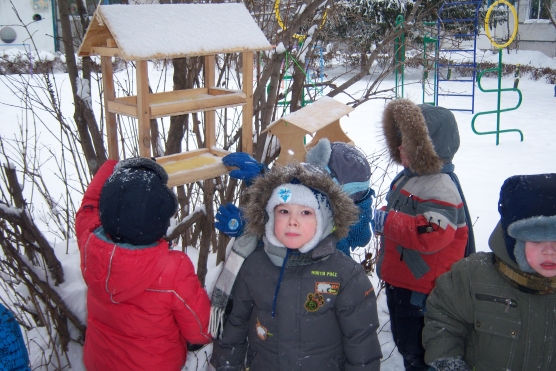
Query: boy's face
(294,225)
(541,256)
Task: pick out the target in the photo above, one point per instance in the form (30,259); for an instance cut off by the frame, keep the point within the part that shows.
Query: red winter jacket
(424,234)
(143,304)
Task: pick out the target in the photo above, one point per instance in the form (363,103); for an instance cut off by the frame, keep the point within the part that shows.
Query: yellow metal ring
(487,18)
(277,13)
(283,26)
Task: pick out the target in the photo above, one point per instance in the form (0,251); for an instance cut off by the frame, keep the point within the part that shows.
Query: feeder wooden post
(247,115)
(210,120)
(143,109)
(110,95)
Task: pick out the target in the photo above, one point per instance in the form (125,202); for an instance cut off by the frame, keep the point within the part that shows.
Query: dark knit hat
(135,203)
(347,165)
(527,209)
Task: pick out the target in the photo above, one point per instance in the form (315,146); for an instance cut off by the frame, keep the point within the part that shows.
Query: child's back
(144,301)
(299,307)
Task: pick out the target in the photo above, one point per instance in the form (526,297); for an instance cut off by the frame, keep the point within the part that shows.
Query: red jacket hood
(115,273)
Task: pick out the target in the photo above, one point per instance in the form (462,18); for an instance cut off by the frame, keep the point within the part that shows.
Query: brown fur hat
(429,143)
(345,211)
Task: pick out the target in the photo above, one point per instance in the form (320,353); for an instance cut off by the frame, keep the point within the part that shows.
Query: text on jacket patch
(324,273)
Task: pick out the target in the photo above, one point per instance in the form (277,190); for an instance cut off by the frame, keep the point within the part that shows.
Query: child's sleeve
(87,217)
(228,353)
(449,316)
(191,304)
(357,315)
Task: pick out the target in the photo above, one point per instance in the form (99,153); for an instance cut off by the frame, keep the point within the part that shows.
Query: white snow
(173,30)
(480,165)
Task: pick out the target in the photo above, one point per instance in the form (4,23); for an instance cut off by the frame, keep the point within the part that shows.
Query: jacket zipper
(509,303)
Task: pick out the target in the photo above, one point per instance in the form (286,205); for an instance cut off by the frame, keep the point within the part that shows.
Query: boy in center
(298,303)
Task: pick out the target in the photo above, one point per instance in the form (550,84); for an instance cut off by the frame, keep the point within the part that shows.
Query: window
(539,9)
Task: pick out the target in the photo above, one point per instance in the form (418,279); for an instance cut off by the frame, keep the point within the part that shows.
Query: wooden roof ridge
(316,115)
(160,31)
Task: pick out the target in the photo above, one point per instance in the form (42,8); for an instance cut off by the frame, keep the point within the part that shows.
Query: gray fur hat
(263,192)
(429,134)
(346,164)
(527,209)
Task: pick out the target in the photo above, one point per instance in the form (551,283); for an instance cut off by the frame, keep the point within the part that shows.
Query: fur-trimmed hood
(345,211)
(429,134)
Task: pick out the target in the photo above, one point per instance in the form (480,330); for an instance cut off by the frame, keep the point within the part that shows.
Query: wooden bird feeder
(320,119)
(163,31)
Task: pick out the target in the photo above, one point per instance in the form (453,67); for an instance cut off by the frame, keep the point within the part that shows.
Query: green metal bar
(399,48)
(498,110)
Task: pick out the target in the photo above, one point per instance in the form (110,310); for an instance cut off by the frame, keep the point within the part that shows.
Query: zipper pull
(508,305)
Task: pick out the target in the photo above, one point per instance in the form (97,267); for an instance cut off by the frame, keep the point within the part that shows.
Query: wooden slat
(200,104)
(105,52)
(219,152)
(143,109)
(220,91)
(176,95)
(207,172)
(181,156)
(210,115)
(247,114)
(122,108)
(111,43)
(109,95)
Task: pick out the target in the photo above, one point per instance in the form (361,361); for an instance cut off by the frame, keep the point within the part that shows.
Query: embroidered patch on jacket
(262,331)
(331,288)
(314,302)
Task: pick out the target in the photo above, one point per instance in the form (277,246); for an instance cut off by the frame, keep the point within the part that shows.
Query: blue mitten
(377,223)
(229,220)
(249,168)
(359,233)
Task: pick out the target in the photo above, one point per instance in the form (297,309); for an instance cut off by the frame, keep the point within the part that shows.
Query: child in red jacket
(144,300)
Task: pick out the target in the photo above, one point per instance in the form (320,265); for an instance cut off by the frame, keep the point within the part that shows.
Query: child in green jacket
(496,311)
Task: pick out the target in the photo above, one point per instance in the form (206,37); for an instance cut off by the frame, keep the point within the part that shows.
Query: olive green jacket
(475,313)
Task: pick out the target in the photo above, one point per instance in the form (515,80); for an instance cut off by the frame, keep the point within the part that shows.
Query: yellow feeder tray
(189,167)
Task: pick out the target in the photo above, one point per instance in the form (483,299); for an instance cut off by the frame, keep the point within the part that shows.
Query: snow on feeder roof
(159,31)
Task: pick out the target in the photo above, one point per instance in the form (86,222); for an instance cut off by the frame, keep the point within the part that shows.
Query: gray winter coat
(325,316)
(477,314)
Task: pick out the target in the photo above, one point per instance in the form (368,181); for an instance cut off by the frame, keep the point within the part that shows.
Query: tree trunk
(89,134)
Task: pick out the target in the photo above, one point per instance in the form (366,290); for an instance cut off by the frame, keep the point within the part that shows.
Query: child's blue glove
(249,168)
(377,223)
(360,232)
(229,220)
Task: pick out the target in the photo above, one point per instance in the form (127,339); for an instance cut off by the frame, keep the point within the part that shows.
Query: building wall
(41,30)
(533,34)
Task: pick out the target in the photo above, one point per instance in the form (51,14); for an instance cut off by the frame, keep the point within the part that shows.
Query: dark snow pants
(407,309)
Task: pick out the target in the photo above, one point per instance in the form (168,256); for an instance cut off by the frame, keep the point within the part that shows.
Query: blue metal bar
(473,66)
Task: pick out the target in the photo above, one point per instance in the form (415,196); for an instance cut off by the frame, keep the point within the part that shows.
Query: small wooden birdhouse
(320,119)
(162,31)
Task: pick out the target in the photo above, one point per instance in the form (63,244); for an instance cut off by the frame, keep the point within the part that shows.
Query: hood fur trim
(258,194)
(401,116)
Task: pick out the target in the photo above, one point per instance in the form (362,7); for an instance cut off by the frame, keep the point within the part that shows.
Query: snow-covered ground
(481,166)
